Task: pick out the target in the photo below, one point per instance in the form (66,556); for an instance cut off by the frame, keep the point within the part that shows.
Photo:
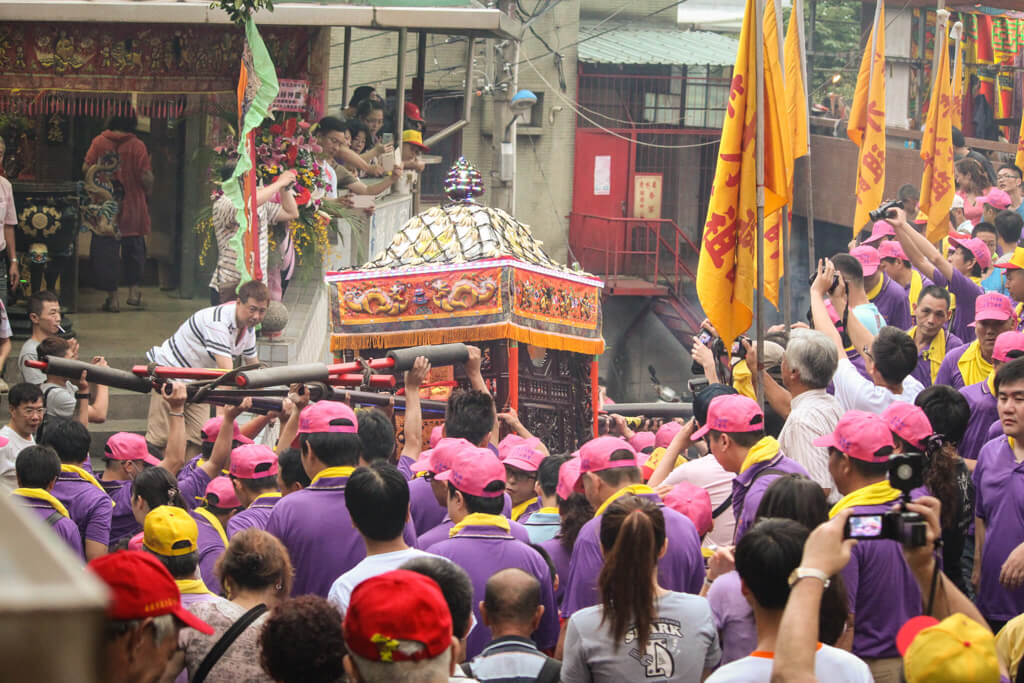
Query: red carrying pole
(376,381)
(163,372)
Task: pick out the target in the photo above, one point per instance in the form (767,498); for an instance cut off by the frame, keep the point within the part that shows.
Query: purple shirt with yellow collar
(63,527)
(90,508)
(983,412)
(256,515)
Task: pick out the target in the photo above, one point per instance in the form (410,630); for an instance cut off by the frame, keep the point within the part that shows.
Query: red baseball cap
(992,306)
(322,417)
(412,112)
(693,502)
(641,440)
(879,230)
(892,249)
(212,428)
(141,587)
(253,461)
(666,432)
(436,434)
(997,199)
(398,616)
(512,441)
(1006,343)
(473,470)
(524,457)
(220,493)
(908,422)
(868,257)
(859,435)
(1016,261)
(568,475)
(977,248)
(595,456)
(129,446)
(732,413)
(439,458)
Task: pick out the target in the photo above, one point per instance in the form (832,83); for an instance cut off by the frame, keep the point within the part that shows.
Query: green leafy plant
(240,10)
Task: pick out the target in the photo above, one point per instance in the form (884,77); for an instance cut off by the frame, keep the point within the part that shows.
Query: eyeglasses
(866,352)
(1006,176)
(429,476)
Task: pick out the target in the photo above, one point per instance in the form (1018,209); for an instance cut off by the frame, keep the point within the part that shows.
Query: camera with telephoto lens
(906,473)
(882,212)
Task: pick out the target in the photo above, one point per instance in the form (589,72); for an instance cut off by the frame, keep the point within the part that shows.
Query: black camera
(906,473)
(882,212)
(832,287)
(705,338)
(737,350)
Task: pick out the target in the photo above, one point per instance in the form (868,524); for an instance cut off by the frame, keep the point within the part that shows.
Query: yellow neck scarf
(873,494)
(274,494)
(42,494)
(991,382)
(916,285)
(480,519)
(876,289)
(192,586)
(333,472)
(973,368)
(635,489)
(762,451)
(742,380)
(935,353)
(655,458)
(518,510)
(84,474)
(214,522)
(547,511)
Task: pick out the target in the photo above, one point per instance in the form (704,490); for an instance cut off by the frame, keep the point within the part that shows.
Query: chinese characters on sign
(647,195)
(602,176)
(291,96)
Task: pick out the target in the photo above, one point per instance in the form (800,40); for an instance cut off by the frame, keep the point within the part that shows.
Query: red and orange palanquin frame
(504,306)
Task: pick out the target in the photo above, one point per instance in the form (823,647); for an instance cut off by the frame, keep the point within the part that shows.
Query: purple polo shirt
(440,533)
(949,371)
(192,485)
(88,506)
(195,598)
(967,292)
(995,430)
(893,304)
(858,362)
(923,372)
(404,465)
(983,412)
(211,547)
(256,515)
(122,519)
(881,591)
(925,282)
(734,617)
(530,509)
(423,508)
(681,569)
(748,488)
(65,528)
(560,557)
(999,502)
(315,527)
(485,550)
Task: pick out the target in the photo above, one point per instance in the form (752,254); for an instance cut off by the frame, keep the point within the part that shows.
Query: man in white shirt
(377,498)
(766,558)
(889,358)
(26,405)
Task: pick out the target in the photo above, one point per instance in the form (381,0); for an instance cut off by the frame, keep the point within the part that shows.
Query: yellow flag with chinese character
(937,185)
(957,109)
(867,123)
(796,92)
(777,89)
(727,270)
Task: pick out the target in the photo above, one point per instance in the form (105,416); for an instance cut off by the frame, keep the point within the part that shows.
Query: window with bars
(706,96)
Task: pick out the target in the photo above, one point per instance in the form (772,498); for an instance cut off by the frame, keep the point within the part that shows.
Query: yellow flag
(1019,159)
(957,109)
(727,270)
(937,185)
(796,93)
(867,123)
(778,91)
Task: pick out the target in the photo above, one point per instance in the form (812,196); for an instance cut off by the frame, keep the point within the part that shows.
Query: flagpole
(939,6)
(799,8)
(759,154)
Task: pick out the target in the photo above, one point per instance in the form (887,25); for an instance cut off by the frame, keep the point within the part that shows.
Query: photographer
(882,591)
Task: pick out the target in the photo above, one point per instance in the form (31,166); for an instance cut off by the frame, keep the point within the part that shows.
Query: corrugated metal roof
(643,45)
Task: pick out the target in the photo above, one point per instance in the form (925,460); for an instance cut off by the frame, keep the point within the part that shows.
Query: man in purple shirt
(125,455)
(735,434)
(481,542)
(253,473)
(999,505)
(219,504)
(521,465)
(882,591)
(888,297)
(36,468)
(901,271)
(932,340)
(970,363)
(608,471)
(314,523)
(980,397)
(172,536)
(88,504)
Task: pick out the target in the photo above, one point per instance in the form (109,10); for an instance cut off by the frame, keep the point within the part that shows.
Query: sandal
(134,302)
(110,307)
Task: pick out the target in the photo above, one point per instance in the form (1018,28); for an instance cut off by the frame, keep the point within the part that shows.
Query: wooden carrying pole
(759,153)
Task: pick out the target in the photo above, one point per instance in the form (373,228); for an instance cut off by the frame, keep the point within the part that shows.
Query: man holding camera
(882,591)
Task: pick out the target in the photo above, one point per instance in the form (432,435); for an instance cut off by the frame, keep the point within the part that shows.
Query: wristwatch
(808,573)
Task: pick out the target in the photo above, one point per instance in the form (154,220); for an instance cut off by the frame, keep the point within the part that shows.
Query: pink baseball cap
(879,230)
(512,441)
(666,432)
(212,428)
(868,257)
(568,475)
(436,434)
(908,422)
(439,458)
(595,456)
(1006,343)
(135,543)
(524,457)
(253,461)
(693,502)
(892,249)
(642,440)
(977,248)
(732,413)
(992,306)
(128,446)
(320,417)
(859,435)
(473,470)
(220,493)
(997,199)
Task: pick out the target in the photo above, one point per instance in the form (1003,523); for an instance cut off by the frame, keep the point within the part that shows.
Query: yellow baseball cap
(170,531)
(1016,261)
(955,649)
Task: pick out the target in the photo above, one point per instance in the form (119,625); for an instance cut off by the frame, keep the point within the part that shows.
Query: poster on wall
(647,195)
(291,95)
(602,176)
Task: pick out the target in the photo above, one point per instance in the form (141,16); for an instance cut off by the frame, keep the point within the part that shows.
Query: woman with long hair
(972,183)
(153,487)
(640,630)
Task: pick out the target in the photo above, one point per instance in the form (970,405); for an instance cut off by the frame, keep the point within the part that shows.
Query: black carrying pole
(438,355)
(664,410)
(285,374)
(112,377)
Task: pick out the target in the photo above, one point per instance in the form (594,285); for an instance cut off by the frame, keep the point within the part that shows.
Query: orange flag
(727,270)
(937,185)
(777,89)
(796,91)
(957,109)
(867,123)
